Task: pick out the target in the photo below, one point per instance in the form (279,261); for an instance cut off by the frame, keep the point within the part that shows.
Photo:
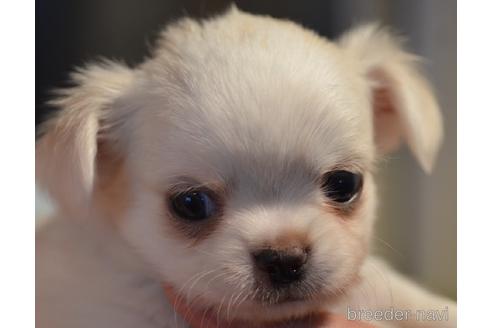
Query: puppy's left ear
(67,148)
(404,106)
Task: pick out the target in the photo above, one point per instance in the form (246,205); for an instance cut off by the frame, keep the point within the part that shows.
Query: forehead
(254,106)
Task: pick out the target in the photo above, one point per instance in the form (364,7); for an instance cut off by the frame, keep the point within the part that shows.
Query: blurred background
(416,230)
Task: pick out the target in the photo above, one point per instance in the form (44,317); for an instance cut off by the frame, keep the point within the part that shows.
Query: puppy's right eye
(194,205)
(342,186)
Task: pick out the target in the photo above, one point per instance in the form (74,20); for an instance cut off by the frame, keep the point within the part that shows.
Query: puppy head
(238,159)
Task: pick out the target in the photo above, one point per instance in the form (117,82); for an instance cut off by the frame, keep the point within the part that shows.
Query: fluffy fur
(259,108)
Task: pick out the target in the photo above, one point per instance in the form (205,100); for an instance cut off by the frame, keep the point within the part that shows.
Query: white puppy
(235,166)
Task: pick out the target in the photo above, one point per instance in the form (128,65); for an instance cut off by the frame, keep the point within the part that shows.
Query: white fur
(262,107)
(65,156)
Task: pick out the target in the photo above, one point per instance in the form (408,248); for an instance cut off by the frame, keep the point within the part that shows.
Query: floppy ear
(66,151)
(403,102)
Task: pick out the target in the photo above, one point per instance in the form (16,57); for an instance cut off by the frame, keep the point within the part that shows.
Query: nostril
(266,259)
(281,266)
(293,262)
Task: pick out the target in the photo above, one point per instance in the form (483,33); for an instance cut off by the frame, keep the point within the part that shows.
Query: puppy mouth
(291,299)
(261,316)
(275,298)
(277,295)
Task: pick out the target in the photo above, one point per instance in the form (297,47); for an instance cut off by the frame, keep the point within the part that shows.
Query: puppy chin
(260,313)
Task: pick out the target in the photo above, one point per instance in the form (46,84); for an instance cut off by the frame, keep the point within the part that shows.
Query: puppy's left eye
(341,186)
(194,205)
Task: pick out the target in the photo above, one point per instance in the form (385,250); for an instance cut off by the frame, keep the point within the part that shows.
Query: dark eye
(193,205)
(341,186)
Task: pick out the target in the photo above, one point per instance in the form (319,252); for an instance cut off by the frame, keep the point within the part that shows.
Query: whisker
(385,243)
(179,295)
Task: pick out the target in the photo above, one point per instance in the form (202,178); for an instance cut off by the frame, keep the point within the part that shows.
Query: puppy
(234,167)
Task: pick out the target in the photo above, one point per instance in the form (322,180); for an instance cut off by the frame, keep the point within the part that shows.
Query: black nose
(282,266)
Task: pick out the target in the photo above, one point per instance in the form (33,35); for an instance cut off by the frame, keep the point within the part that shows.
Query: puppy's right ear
(404,105)
(66,151)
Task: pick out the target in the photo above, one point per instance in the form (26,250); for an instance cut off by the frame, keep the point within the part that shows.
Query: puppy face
(238,159)
(246,159)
